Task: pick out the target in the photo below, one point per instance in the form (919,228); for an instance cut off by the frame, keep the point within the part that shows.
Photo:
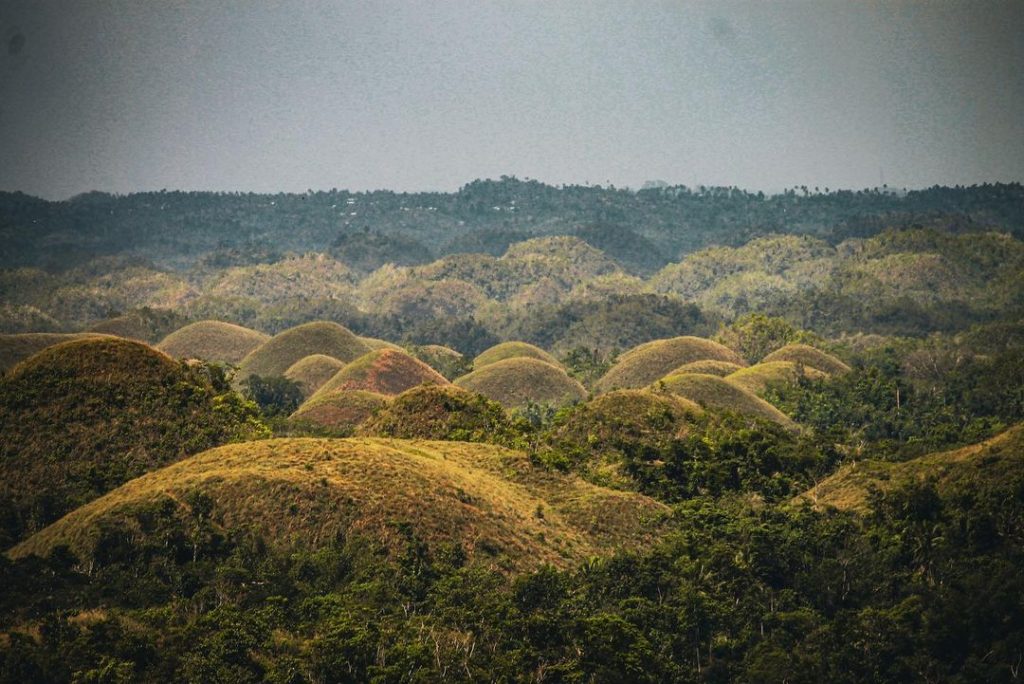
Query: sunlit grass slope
(717,394)
(808,356)
(642,365)
(384,371)
(1000,459)
(512,350)
(320,337)
(212,341)
(516,382)
(339,410)
(312,371)
(759,377)
(306,492)
(708,367)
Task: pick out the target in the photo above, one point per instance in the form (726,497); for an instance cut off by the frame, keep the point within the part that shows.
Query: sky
(121,96)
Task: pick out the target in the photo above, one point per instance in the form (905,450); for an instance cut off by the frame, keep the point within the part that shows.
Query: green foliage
(275,395)
(755,335)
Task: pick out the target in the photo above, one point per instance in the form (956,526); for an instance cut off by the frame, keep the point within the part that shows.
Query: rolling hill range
(82,417)
(305,492)
(276,355)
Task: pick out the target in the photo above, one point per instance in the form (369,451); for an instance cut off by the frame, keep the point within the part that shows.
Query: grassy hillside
(81,417)
(514,383)
(717,394)
(19,346)
(642,365)
(445,360)
(761,376)
(277,354)
(311,372)
(442,412)
(374,344)
(808,356)
(340,410)
(511,350)
(1000,459)
(384,371)
(212,341)
(304,493)
(709,367)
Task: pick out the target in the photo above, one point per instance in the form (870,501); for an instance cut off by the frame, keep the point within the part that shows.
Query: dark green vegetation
(816,473)
(85,416)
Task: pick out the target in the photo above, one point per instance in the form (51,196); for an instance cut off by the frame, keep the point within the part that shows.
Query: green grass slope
(339,411)
(759,377)
(808,356)
(82,417)
(274,357)
(19,346)
(642,365)
(999,459)
(444,413)
(717,394)
(513,383)
(512,350)
(212,341)
(311,372)
(306,492)
(384,371)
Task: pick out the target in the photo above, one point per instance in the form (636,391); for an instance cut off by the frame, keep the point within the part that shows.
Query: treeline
(643,229)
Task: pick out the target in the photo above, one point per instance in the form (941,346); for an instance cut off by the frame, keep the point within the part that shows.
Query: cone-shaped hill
(384,371)
(808,356)
(304,493)
(999,461)
(512,350)
(311,372)
(642,365)
(514,383)
(20,346)
(759,377)
(374,344)
(276,355)
(441,412)
(212,341)
(82,417)
(718,394)
(339,411)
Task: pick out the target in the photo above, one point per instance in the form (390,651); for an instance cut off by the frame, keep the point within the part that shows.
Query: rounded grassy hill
(516,382)
(277,354)
(212,341)
(718,394)
(385,371)
(807,355)
(441,412)
(82,417)
(512,350)
(374,343)
(642,365)
(19,346)
(304,493)
(761,376)
(445,360)
(708,367)
(311,372)
(339,411)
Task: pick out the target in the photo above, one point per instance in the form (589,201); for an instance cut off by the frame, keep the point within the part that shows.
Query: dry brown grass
(808,356)
(515,382)
(512,350)
(708,367)
(715,393)
(18,347)
(385,371)
(340,410)
(642,365)
(311,372)
(305,492)
(212,341)
(758,378)
(281,351)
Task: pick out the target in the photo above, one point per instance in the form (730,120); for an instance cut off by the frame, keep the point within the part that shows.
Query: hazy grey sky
(265,96)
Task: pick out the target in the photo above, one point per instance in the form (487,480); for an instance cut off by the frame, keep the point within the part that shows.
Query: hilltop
(339,410)
(761,376)
(808,356)
(276,355)
(515,382)
(20,346)
(303,493)
(82,417)
(385,371)
(642,365)
(313,371)
(718,394)
(212,341)
(512,350)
